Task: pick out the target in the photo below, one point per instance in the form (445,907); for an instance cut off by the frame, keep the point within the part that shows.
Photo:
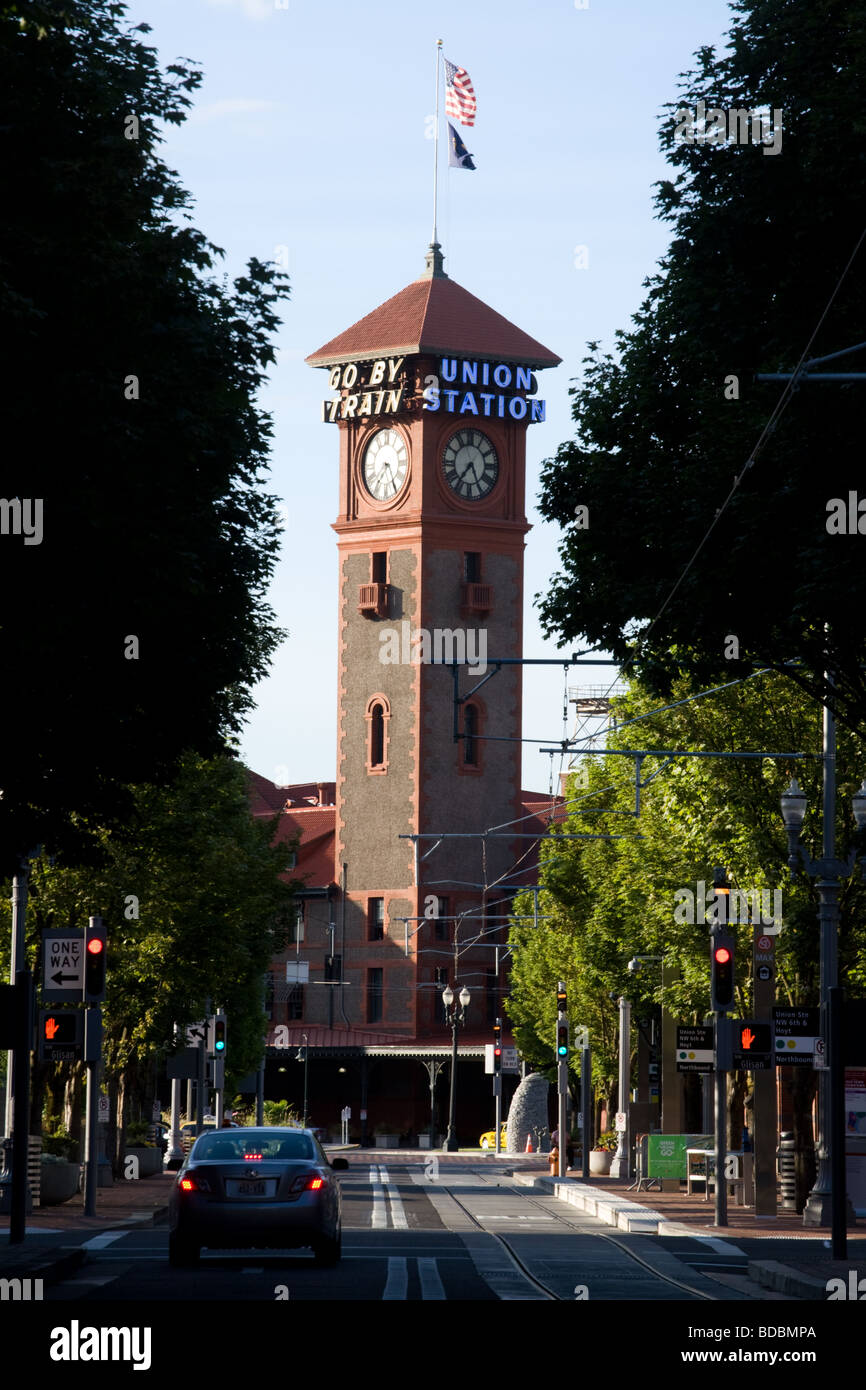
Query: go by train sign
(483,390)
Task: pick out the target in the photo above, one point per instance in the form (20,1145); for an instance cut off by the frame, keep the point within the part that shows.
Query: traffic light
(219,1035)
(721,907)
(721,973)
(94,961)
(561,1000)
(61,1034)
(562,1039)
(497,1048)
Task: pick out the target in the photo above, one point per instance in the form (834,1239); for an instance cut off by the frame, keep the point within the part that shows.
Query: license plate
(237,1187)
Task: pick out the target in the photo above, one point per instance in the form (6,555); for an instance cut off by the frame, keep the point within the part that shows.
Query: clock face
(470,464)
(386,460)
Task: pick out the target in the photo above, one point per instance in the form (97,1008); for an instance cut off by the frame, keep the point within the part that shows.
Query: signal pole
(497,1081)
(562,1073)
(722,976)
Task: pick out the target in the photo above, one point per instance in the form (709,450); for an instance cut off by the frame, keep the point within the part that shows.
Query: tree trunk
(805,1084)
(737,1088)
(72,1093)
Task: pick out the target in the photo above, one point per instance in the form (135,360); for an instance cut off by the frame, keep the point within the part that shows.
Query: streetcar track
(581,1230)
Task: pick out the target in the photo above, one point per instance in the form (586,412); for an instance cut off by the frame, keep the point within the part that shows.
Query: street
(469,1234)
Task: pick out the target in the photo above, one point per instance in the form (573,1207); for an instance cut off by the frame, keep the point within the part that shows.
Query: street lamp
(302,1057)
(454,1017)
(826,1204)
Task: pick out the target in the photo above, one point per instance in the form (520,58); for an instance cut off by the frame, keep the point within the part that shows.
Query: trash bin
(786,1156)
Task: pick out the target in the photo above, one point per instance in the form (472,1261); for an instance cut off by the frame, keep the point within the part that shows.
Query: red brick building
(411,859)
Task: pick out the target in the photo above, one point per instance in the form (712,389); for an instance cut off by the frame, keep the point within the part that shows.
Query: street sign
(196,1033)
(621,1122)
(61,1035)
(102,1115)
(62,966)
(695,1050)
(796,1032)
(510,1059)
(753,1045)
(581,1039)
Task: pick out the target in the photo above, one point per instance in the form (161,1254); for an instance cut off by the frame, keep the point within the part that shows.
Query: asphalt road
(466,1234)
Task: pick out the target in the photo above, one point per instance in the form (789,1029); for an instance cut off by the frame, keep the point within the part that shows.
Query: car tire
(327,1251)
(183,1253)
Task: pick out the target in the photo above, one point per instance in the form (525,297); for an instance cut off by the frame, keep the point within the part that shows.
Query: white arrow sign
(62,966)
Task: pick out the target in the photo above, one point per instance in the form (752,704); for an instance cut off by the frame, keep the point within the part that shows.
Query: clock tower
(432,395)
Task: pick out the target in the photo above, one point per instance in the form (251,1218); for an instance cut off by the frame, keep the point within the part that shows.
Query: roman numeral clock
(432,395)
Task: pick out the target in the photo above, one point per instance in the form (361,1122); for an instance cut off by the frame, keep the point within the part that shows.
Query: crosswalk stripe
(379,1214)
(398,1279)
(398,1213)
(431,1284)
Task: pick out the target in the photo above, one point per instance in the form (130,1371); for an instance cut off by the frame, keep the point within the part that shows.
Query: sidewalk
(675,1214)
(45,1254)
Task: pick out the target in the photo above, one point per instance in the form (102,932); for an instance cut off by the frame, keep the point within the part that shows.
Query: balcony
(373,600)
(476,598)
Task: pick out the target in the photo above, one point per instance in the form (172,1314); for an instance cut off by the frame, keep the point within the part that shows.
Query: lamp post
(826,1204)
(303,1056)
(454,1017)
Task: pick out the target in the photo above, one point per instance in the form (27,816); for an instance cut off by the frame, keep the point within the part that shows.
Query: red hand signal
(51,1027)
(747,1037)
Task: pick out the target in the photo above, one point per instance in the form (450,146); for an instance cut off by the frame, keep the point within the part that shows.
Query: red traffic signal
(497,1047)
(721,973)
(95,944)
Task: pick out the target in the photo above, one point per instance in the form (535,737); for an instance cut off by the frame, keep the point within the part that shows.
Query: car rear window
(241,1145)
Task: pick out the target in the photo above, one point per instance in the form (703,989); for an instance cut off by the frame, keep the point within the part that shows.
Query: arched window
(378,713)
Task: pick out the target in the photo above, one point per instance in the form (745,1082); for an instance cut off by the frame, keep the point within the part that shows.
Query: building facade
(412,857)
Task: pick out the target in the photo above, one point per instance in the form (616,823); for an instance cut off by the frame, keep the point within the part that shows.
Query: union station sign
(381,387)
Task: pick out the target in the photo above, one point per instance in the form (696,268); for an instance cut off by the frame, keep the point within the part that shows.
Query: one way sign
(62,966)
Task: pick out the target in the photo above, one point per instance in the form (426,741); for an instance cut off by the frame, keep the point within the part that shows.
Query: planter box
(600,1161)
(387,1141)
(149,1160)
(59,1182)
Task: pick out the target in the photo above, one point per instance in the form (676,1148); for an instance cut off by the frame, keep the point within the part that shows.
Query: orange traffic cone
(529,1149)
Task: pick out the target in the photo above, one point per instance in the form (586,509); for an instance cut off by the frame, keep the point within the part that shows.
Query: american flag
(459,94)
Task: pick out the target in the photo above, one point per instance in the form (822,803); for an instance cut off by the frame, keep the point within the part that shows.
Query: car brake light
(194,1183)
(252,1158)
(315,1183)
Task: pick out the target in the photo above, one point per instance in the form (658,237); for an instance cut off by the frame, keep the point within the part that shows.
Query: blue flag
(458,155)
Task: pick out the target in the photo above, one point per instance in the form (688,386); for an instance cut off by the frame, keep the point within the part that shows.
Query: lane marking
(398,1280)
(100,1242)
(398,1212)
(379,1214)
(431,1284)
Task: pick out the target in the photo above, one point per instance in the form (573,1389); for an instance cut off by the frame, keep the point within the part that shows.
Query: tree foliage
(131,416)
(195,910)
(761,241)
(604,901)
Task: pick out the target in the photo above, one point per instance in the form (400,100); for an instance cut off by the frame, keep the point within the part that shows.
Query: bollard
(787,1163)
(553,1160)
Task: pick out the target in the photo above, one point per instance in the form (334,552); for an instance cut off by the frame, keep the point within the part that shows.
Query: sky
(310,143)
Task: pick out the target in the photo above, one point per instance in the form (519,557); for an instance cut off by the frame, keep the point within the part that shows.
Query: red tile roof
(434,315)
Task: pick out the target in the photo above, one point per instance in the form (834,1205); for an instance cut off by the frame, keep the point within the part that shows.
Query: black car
(269,1188)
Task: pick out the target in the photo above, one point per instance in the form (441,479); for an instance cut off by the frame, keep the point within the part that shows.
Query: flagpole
(436,145)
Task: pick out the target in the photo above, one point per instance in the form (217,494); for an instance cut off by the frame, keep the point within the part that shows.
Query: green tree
(761,241)
(604,901)
(195,908)
(134,626)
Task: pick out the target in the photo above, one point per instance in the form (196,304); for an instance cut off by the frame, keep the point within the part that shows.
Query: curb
(773,1275)
(625,1215)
